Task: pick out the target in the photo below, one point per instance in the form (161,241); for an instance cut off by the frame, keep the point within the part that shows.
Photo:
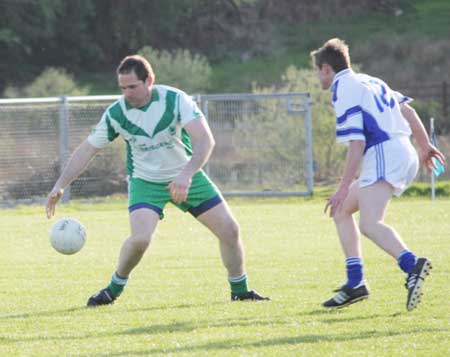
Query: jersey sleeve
(349,118)
(103,133)
(401,98)
(188,109)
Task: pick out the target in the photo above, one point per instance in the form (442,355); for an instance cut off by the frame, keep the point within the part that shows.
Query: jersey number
(381,96)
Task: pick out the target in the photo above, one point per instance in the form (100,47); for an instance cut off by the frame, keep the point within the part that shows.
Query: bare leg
(143,224)
(346,226)
(355,289)
(373,202)
(221,222)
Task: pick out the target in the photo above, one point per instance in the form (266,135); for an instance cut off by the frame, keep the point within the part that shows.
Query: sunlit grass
(177,301)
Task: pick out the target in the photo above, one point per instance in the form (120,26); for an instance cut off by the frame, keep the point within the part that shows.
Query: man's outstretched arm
(76,165)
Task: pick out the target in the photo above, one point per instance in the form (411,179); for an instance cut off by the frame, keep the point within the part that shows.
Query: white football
(67,236)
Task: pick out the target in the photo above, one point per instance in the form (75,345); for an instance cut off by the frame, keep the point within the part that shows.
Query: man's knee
(230,232)
(141,241)
(366,227)
(235,230)
(341,216)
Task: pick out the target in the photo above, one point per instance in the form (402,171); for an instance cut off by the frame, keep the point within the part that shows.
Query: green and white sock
(238,284)
(117,284)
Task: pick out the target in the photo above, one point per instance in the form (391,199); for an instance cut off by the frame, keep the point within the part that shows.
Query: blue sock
(354,272)
(406,261)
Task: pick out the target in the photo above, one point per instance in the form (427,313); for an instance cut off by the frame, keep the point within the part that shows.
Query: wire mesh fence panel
(36,140)
(263,143)
(29,149)
(106,173)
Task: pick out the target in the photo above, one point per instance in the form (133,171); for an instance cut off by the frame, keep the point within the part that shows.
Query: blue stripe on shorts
(205,206)
(145,205)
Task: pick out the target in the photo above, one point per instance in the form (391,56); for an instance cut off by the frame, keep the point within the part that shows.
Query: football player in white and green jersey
(168,142)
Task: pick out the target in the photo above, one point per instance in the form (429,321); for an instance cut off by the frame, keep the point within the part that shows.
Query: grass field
(177,301)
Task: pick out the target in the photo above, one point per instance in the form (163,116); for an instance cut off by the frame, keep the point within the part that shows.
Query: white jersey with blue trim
(367,109)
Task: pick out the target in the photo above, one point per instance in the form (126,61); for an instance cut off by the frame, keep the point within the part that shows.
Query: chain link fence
(264,143)
(37,139)
(263,146)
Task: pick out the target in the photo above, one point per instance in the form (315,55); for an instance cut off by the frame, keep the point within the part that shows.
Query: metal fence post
(204,109)
(64,141)
(309,146)
(444,101)
(433,188)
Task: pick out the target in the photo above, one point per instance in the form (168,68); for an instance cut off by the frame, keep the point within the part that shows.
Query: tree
(53,82)
(190,72)
(328,155)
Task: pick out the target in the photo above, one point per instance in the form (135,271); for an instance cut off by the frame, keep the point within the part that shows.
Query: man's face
(136,91)
(325,75)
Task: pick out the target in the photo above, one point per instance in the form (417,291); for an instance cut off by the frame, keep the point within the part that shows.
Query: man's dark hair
(138,65)
(335,53)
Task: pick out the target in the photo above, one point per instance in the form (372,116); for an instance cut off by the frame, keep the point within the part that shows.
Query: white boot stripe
(340,297)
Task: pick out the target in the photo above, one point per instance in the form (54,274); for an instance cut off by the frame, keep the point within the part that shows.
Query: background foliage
(53,82)
(180,69)
(56,47)
(328,155)
(87,36)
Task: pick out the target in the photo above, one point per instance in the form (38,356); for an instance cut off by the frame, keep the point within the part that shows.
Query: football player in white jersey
(168,141)
(375,122)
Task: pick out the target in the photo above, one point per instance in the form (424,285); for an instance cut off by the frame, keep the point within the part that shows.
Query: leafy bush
(328,156)
(53,82)
(423,189)
(181,69)
(431,109)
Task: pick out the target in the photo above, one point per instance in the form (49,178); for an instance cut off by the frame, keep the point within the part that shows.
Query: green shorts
(203,195)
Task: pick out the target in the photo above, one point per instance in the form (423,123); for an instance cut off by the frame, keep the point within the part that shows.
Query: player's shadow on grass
(183,327)
(148,330)
(168,307)
(26,315)
(337,316)
(192,325)
(296,340)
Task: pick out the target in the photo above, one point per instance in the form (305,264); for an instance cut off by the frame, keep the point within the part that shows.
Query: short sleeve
(401,98)
(188,109)
(103,133)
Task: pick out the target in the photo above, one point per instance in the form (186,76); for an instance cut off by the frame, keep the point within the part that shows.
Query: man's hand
(179,188)
(52,199)
(336,200)
(426,155)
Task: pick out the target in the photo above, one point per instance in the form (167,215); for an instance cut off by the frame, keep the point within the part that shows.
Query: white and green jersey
(158,147)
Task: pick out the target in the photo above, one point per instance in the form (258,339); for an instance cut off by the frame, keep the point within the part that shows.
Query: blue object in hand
(439,168)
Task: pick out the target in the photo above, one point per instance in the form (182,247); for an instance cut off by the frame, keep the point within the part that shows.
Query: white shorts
(394,161)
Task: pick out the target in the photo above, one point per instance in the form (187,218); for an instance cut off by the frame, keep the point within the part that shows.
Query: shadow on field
(224,345)
(155,329)
(169,307)
(26,315)
(196,325)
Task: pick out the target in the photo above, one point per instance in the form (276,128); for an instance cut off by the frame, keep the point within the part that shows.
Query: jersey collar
(339,75)
(153,98)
